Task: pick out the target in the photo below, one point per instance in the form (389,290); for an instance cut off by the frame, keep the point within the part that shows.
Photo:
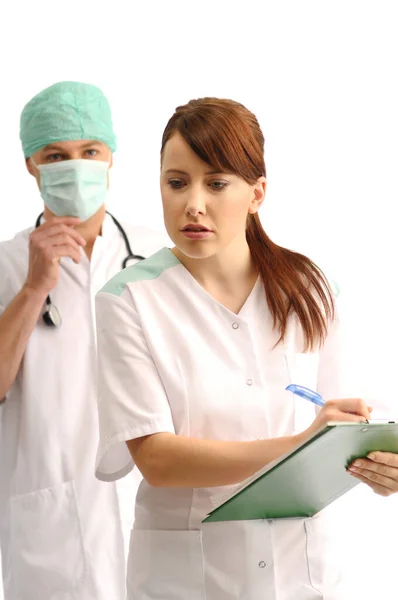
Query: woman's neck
(228,276)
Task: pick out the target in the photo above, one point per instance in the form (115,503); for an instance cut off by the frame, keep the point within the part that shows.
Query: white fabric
(172,359)
(60,528)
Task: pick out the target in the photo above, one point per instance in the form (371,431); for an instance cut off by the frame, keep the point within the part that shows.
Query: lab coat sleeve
(132,400)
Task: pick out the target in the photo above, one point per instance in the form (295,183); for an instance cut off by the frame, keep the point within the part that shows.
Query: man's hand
(379,471)
(48,243)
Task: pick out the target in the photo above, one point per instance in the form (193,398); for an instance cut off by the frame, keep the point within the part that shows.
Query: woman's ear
(259,190)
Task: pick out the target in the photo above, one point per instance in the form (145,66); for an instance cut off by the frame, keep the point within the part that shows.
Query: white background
(320,76)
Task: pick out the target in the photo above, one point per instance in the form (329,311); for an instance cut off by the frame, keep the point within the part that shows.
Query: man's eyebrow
(91,143)
(52,147)
(55,146)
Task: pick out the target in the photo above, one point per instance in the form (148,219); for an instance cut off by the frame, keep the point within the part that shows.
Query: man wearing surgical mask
(61,530)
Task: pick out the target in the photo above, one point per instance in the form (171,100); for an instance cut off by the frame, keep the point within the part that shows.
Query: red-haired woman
(196,347)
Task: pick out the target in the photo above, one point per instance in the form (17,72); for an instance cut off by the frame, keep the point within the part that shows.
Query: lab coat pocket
(324,557)
(46,544)
(303,370)
(166,564)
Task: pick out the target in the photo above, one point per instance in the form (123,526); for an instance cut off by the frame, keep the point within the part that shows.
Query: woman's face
(205,212)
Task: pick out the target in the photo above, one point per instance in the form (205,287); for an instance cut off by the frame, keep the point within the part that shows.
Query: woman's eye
(54,157)
(218,185)
(92,152)
(176,184)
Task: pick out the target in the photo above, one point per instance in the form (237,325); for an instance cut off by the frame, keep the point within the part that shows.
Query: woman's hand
(350,409)
(379,471)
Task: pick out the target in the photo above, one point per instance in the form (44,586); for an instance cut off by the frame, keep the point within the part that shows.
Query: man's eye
(54,157)
(92,152)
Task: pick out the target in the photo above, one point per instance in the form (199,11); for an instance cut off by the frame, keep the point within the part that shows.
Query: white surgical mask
(74,188)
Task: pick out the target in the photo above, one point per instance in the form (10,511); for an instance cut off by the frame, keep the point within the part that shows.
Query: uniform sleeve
(132,400)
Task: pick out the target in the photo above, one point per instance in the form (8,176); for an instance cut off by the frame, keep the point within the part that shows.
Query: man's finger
(56,230)
(61,220)
(65,251)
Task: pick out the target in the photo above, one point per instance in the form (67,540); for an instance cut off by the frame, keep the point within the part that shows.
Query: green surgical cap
(65,111)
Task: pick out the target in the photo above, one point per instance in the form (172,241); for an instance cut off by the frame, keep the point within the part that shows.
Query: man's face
(70,150)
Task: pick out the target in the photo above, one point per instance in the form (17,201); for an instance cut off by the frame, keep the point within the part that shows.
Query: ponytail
(293,285)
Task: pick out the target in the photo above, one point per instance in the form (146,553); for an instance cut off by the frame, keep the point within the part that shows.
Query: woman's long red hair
(227,136)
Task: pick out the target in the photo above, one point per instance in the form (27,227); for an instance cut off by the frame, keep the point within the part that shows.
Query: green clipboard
(304,481)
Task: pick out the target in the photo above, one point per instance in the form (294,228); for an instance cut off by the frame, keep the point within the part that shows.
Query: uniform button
(249,381)
(262,564)
(235,325)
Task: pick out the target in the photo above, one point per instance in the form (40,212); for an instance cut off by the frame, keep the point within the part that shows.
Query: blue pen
(305,393)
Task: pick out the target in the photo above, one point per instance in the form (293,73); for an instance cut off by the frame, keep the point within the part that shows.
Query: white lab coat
(172,359)
(60,528)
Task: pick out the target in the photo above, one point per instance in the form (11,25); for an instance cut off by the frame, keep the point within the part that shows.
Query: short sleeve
(132,401)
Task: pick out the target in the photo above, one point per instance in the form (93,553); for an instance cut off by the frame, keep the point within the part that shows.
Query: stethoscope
(51,315)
